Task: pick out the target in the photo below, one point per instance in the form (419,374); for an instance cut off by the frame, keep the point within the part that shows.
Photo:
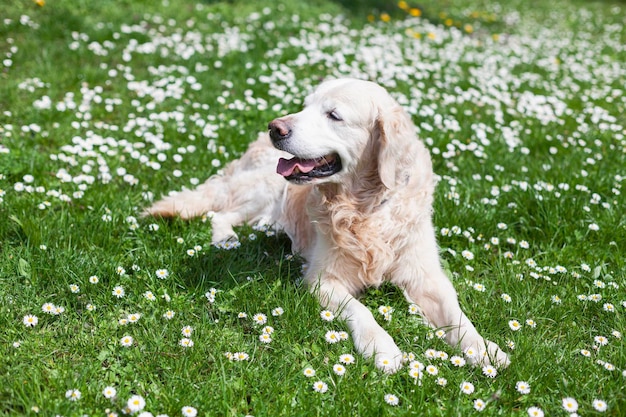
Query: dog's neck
(363,195)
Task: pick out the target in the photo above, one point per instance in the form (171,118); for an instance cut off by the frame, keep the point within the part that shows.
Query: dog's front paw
(485,353)
(381,347)
(389,362)
(227,242)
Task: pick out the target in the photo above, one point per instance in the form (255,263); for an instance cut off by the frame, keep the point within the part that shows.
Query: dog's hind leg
(248,191)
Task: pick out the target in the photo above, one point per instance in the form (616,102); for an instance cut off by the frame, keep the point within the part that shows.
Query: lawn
(106,106)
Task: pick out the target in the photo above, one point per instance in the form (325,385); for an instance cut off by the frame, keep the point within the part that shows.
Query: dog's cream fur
(368,223)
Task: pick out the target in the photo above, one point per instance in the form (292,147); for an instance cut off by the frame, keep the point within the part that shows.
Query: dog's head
(345,123)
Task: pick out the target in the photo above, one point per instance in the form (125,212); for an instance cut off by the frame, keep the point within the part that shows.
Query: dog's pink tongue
(287,166)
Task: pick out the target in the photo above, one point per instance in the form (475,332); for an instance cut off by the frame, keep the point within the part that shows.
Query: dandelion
(599,405)
(73,395)
(391,399)
(30,320)
(570,405)
(490,371)
(259,319)
(327,315)
(126,341)
(309,372)
(162,273)
(109,392)
(479,405)
(188,411)
(320,386)
(522,387)
(415,12)
(346,359)
(535,412)
(136,403)
(339,369)
(118,291)
(515,325)
(467,387)
(278,311)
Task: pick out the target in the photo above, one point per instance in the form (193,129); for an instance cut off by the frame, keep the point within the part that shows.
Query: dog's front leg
(424,283)
(370,339)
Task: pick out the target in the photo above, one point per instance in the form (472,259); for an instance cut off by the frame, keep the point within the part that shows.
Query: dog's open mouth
(303,170)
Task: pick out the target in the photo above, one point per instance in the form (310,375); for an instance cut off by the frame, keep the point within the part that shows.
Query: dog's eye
(333,115)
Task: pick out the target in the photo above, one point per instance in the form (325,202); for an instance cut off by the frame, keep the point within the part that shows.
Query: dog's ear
(396,132)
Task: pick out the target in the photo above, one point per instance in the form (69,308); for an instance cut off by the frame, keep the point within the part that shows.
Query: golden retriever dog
(351,184)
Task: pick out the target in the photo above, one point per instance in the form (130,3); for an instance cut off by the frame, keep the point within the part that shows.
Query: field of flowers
(105,107)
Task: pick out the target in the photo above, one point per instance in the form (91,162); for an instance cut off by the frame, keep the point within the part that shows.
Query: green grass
(521,103)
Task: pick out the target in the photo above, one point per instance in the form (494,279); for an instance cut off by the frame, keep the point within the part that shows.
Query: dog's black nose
(279,130)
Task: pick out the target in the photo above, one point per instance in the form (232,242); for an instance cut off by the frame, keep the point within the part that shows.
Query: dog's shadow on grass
(266,257)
